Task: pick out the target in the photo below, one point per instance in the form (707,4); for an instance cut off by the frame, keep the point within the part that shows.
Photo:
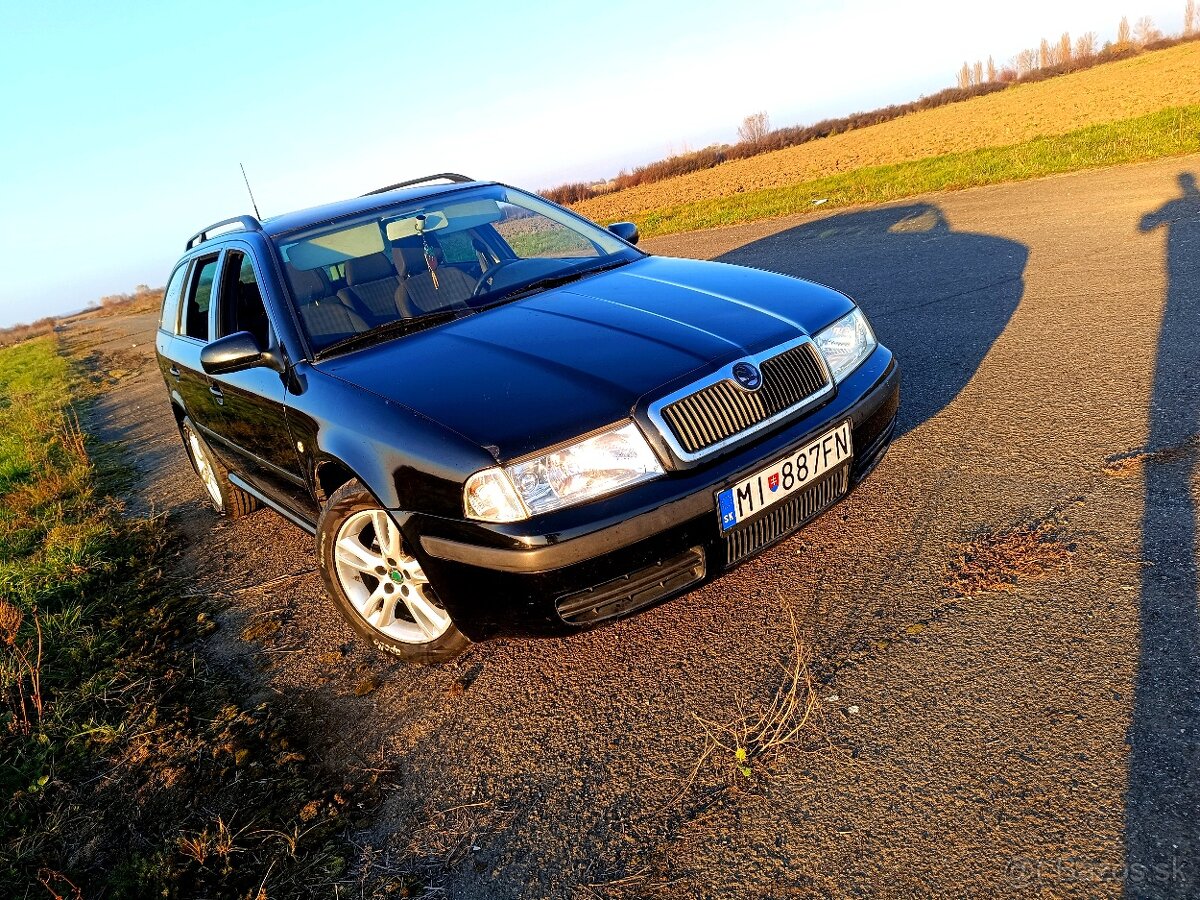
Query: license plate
(784,477)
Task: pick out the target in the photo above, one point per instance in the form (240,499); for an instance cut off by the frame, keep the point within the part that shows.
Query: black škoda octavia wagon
(500,418)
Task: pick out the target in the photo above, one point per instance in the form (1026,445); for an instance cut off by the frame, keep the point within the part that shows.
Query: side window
(456,247)
(170,307)
(240,303)
(530,235)
(195,312)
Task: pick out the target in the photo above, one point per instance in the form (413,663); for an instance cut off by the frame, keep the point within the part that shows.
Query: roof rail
(248,223)
(449,176)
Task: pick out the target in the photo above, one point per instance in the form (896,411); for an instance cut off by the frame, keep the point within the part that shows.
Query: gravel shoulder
(996,714)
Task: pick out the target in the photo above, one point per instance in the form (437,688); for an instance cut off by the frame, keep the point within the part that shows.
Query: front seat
(373,289)
(326,318)
(451,289)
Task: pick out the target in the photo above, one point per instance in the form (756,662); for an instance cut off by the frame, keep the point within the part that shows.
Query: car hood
(547,368)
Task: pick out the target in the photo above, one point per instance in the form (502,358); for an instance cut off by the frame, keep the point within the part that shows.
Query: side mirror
(236,352)
(626,231)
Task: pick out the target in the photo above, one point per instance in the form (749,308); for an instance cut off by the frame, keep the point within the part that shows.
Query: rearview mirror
(626,231)
(236,352)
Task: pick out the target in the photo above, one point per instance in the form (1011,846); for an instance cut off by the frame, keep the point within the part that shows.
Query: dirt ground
(1002,622)
(1120,90)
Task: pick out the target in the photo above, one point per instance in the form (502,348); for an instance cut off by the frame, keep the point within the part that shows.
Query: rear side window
(195,311)
(240,303)
(170,307)
(457,247)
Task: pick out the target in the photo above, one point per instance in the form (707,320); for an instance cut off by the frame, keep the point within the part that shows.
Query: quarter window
(170,307)
(195,318)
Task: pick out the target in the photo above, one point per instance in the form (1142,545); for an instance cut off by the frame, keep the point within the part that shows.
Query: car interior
(408,278)
(357,277)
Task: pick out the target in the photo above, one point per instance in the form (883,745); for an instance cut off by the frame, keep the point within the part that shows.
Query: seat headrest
(308,284)
(369,268)
(409,254)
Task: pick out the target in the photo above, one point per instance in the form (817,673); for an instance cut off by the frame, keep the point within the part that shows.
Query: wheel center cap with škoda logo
(396,575)
(748,376)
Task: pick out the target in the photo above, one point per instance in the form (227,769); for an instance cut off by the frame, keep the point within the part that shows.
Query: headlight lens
(846,343)
(574,473)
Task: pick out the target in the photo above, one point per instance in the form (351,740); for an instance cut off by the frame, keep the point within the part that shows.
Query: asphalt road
(1037,735)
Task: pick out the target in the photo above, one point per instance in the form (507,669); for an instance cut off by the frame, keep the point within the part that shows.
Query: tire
(377,585)
(224,497)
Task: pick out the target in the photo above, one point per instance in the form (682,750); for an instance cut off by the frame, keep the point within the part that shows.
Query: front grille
(785,517)
(721,410)
(633,591)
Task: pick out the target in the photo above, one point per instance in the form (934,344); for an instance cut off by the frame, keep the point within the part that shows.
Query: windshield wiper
(552,281)
(395,328)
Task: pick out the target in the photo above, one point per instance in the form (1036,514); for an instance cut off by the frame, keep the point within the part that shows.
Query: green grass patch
(1170,132)
(127,769)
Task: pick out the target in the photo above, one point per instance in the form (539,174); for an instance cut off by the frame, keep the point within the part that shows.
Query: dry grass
(21,668)
(1120,90)
(997,561)
(124,760)
(751,736)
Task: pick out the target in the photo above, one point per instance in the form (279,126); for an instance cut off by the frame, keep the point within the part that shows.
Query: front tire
(379,587)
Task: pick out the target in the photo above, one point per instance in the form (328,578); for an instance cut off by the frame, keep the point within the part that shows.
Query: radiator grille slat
(785,517)
(721,410)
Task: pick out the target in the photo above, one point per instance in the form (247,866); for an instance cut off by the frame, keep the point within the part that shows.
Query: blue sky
(125,122)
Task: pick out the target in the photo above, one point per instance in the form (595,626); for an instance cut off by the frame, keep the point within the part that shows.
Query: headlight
(573,473)
(846,343)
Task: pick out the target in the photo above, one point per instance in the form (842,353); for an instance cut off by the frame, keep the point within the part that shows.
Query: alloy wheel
(385,585)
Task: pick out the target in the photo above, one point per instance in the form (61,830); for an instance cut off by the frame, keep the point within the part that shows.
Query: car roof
(328,212)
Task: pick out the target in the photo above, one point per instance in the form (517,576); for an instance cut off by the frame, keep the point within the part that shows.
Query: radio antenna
(250,192)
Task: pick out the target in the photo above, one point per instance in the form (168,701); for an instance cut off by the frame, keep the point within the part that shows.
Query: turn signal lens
(489,496)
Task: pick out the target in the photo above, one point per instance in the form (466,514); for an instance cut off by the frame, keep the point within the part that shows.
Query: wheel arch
(341,461)
(329,474)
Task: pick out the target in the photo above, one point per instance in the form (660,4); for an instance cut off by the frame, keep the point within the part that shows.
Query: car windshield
(420,263)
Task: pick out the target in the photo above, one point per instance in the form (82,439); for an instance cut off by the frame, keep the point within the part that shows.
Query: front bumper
(505,579)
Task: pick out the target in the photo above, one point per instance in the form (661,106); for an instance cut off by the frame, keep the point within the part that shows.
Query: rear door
(168,324)
(192,333)
(249,429)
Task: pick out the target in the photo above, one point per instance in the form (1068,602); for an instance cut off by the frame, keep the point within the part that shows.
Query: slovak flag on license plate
(773,482)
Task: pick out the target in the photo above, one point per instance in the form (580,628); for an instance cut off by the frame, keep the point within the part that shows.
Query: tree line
(1065,55)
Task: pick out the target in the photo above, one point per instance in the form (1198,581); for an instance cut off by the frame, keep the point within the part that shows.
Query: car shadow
(939,298)
(1162,805)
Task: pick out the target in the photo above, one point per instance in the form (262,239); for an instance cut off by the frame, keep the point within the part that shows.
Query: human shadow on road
(939,298)
(1162,806)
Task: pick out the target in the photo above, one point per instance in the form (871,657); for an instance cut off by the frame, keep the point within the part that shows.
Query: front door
(250,431)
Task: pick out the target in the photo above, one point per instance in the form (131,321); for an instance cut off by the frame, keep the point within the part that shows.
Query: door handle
(174,370)
(216,392)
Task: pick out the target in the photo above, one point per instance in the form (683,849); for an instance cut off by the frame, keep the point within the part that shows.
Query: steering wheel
(488,274)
